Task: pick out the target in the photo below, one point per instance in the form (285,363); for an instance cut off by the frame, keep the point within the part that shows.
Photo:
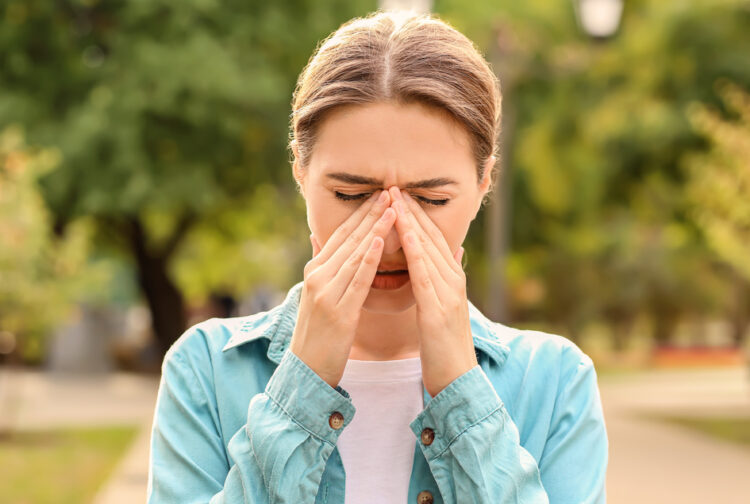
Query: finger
(315,246)
(407,223)
(359,288)
(459,255)
(431,230)
(422,282)
(441,274)
(355,238)
(345,274)
(369,211)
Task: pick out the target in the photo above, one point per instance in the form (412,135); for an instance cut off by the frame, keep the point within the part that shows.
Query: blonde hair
(404,57)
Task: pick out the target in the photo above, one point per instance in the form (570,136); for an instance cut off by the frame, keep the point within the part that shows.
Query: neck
(386,336)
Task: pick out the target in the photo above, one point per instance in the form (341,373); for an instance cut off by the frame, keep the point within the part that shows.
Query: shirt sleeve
(476,455)
(279,455)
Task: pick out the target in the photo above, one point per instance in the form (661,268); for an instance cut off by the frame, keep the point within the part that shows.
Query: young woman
(377,380)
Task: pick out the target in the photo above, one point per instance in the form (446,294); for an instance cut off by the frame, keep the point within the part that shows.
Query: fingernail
(461,255)
(400,207)
(383,197)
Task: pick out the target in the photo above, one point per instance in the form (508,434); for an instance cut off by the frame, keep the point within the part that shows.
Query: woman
(376,380)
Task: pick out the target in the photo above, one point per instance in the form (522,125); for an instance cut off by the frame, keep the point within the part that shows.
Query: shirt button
(336,420)
(424,497)
(428,436)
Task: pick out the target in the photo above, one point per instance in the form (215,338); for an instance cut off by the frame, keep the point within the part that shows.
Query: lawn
(735,430)
(66,465)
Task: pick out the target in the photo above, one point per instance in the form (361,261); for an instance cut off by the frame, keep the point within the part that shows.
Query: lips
(392,269)
(390,280)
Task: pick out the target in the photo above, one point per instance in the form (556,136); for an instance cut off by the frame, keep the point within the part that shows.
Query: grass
(65,465)
(735,430)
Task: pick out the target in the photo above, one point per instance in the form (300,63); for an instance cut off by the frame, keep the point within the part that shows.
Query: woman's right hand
(337,281)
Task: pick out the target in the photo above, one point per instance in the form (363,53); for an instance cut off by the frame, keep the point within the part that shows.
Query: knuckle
(312,283)
(374,211)
(370,258)
(354,238)
(320,300)
(355,258)
(357,282)
(452,304)
(459,282)
(309,268)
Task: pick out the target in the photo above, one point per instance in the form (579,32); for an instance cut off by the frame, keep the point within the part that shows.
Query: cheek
(454,227)
(324,218)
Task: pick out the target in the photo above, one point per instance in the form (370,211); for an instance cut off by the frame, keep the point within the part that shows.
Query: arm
(279,455)
(476,454)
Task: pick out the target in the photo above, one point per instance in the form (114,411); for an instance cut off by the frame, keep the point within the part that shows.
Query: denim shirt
(239,419)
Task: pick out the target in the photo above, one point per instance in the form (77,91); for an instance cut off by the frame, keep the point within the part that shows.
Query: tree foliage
(40,274)
(719,178)
(167,116)
(602,229)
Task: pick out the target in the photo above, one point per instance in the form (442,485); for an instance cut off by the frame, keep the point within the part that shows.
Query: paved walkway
(44,400)
(655,462)
(650,462)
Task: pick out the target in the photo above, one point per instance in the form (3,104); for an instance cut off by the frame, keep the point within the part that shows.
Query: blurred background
(145,185)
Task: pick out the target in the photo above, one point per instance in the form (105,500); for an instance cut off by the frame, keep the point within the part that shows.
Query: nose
(392,242)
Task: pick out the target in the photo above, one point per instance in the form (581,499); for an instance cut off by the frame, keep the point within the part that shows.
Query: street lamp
(420,6)
(599,18)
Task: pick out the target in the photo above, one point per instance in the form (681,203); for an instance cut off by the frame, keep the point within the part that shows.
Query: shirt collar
(277,325)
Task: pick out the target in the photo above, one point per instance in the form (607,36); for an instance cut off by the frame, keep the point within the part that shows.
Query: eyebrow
(350,178)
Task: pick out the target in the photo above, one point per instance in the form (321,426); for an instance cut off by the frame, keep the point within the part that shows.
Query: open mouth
(389,280)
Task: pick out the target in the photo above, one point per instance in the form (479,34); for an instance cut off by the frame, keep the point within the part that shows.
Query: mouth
(391,279)
(392,272)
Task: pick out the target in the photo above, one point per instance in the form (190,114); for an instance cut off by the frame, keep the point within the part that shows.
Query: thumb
(315,246)
(459,255)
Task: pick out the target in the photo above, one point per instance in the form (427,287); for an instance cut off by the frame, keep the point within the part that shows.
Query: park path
(650,462)
(42,400)
(656,462)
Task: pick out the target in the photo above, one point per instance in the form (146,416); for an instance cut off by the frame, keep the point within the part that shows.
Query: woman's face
(361,149)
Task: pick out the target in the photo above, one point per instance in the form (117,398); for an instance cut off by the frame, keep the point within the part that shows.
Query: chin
(389,301)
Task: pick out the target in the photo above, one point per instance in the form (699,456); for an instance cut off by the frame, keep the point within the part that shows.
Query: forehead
(393,143)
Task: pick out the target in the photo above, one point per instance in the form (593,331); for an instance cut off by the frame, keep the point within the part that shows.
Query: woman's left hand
(439,285)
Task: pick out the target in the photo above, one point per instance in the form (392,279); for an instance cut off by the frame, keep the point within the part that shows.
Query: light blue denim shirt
(239,419)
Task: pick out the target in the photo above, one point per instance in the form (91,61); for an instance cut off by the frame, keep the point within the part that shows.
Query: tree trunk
(740,318)
(165,301)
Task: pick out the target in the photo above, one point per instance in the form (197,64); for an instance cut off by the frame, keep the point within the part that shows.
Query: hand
(337,281)
(439,285)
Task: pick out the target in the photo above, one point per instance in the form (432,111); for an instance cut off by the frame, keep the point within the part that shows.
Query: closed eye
(352,197)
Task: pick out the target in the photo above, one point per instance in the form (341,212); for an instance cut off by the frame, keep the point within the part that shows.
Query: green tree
(167,115)
(719,188)
(599,214)
(41,276)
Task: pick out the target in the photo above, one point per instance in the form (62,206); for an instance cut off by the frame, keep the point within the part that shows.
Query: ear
(297,172)
(484,184)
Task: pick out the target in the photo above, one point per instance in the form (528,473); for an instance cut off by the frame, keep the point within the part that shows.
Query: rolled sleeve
(308,399)
(466,401)
(476,455)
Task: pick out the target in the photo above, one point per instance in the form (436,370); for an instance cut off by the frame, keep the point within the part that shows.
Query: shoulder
(204,342)
(543,352)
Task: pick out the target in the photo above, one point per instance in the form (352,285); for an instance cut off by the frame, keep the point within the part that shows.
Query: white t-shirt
(377,447)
